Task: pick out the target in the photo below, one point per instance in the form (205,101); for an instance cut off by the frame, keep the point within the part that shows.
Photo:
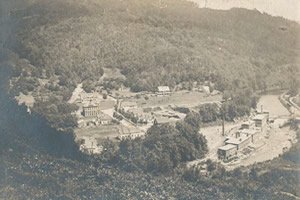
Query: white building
(163,90)
(206,89)
(90,146)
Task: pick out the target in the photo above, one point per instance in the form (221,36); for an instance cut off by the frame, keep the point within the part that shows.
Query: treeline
(164,148)
(237,103)
(58,113)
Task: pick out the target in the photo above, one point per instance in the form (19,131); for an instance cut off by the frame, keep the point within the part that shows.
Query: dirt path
(75,95)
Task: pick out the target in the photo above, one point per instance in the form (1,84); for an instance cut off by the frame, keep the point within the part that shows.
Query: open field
(105,131)
(180,98)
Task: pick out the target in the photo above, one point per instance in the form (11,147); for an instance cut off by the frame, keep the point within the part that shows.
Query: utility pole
(223,122)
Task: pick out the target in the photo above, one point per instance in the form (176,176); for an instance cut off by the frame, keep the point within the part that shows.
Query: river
(271,103)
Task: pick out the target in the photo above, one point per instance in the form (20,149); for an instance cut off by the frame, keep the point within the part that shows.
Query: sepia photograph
(150,99)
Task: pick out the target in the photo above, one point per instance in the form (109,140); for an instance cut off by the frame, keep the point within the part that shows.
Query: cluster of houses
(248,134)
(93,116)
(165,90)
(91,106)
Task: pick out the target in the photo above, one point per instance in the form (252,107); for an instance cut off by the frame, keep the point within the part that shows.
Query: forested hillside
(154,43)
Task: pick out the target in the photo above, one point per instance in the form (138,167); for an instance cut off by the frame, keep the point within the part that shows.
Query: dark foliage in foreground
(163,149)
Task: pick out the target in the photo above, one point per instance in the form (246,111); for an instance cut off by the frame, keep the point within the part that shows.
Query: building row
(248,134)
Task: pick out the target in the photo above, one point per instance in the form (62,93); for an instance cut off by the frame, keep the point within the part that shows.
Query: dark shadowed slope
(21,131)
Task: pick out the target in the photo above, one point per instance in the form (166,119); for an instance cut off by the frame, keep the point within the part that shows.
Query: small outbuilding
(252,133)
(163,90)
(247,125)
(261,120)
(206,89)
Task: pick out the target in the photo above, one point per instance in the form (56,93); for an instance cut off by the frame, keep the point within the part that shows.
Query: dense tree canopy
(163,148)
(156,46)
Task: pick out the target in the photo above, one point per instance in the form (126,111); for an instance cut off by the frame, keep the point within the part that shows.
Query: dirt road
(271,144)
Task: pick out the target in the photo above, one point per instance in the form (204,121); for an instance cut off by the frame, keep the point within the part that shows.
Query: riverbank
(271,143)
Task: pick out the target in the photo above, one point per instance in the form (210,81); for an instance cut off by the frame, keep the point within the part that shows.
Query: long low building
(247,125)
(252,133)
(91,110)
(240,142)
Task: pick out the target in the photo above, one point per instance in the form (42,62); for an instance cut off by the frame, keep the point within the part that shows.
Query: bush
(209,112)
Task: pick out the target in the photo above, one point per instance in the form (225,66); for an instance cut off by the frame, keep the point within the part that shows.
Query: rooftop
(249,131)
(236,141)
(90,106)
(260,117)
(247,123)
(227,147)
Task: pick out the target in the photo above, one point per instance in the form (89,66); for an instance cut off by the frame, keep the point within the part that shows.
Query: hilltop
(155,44)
